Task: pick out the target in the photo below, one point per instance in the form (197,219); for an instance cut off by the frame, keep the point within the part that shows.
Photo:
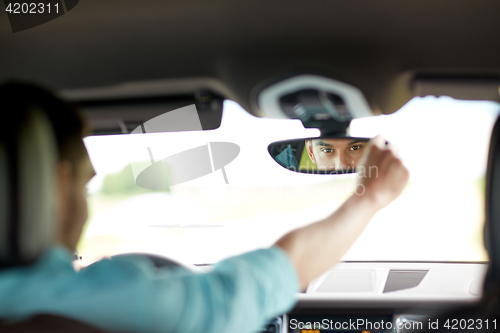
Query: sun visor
(125,115)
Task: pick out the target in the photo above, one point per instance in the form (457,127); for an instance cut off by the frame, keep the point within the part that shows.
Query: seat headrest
(28,157)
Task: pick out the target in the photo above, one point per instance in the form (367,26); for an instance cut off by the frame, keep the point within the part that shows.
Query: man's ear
(64,174)
(310,150)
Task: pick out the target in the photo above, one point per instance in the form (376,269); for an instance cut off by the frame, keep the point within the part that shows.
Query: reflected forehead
(322,143)
(335,142)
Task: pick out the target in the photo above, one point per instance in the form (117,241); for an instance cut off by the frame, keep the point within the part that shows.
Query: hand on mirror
(381,173)
(315,248)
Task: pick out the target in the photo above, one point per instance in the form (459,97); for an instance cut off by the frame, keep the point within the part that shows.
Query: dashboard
(363,317)
(382,297)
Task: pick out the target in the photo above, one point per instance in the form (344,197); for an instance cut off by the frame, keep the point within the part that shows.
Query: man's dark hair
(68,124)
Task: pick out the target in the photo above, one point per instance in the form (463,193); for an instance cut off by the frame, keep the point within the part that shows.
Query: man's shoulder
(130,266)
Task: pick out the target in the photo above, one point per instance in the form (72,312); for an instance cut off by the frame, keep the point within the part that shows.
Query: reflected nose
(343,161)
(338,163)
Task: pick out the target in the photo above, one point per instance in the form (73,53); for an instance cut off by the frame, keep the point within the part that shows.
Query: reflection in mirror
(329,155)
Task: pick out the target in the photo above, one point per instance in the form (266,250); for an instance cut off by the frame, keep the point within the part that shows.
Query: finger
(372,142)
(385,161)
(394,148)
(368,151)
(400,174)
(398,167)
(379,141)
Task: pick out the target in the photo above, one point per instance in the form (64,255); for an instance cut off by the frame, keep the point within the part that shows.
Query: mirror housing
(318,102)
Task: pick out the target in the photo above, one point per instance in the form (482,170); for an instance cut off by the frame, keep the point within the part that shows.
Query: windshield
(251,201)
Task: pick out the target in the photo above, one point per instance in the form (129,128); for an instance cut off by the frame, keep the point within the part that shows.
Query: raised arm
(239,293)
(317,247)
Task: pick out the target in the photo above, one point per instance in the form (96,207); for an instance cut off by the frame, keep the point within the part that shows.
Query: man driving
(130,295)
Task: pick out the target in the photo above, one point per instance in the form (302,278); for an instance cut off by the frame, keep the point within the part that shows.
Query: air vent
(274,326)
(403,279)
(348,281)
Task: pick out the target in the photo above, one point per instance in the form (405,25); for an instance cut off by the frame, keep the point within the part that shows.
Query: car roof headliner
(235,47)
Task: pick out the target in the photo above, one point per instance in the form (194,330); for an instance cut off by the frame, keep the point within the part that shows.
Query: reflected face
(335,154)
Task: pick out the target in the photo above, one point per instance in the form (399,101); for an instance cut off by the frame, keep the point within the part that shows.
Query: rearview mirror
(323,155)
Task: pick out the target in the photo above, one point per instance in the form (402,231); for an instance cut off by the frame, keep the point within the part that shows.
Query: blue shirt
(130,295)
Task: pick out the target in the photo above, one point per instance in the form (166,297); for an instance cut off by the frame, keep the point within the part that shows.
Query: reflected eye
(355,147)
(326,150)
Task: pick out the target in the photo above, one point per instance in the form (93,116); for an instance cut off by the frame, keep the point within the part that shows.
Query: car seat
(27,205)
